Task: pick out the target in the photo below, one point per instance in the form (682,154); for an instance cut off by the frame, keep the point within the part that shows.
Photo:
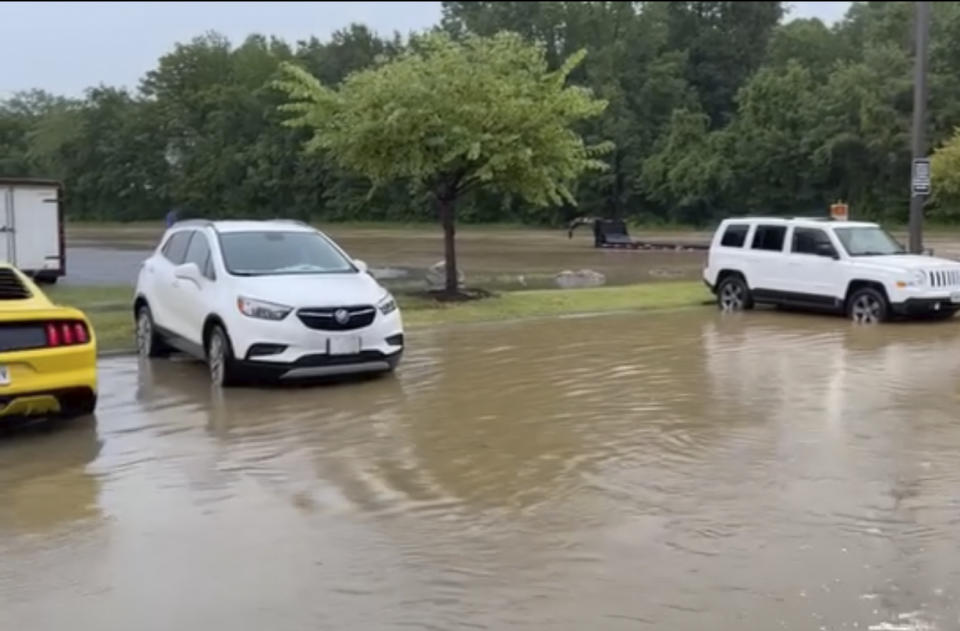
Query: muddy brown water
(675,471)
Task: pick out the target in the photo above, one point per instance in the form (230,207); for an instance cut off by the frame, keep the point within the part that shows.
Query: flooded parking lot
(674,471)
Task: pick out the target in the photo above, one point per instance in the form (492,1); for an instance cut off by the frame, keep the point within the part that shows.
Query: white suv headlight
(918,278)
(261,309)
(387,305)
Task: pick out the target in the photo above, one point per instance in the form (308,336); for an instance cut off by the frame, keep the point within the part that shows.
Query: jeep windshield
(271,253)
(868,241)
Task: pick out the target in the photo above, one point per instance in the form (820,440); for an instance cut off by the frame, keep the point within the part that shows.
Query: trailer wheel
(45,278)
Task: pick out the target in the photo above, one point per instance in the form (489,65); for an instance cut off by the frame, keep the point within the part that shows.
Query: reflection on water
(765,470)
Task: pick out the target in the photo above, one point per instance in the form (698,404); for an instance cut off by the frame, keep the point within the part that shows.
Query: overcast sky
(64,47)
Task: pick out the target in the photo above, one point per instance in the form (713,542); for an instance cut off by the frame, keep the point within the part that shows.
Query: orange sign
(839,212)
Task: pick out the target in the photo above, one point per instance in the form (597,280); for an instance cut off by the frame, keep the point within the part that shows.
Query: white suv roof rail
(193,222)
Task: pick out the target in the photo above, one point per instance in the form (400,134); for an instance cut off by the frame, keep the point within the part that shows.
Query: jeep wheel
(734,295)
(867,306)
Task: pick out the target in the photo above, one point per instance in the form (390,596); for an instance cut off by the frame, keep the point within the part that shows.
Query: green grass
(109,307)
(92,298)
(109,310)
(554,302)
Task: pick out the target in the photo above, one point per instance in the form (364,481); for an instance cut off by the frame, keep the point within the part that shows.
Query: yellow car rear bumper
(48,380)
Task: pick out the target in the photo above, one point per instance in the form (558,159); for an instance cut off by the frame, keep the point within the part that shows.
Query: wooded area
(713,108)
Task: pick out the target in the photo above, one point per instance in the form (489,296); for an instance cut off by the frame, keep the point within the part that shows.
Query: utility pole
(917,195)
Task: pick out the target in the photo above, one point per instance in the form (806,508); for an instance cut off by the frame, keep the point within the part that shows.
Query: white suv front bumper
(910,301)
(292,349)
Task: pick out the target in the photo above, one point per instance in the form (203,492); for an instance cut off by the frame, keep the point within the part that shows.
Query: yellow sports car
(48,354)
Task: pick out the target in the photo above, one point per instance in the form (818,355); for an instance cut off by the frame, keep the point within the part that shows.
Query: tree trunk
(446,210)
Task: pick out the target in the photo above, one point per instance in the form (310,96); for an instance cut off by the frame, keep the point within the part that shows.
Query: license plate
(344,345)
(955,297)
(4,376)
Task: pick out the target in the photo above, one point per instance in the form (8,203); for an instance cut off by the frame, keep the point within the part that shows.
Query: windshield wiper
(872,253)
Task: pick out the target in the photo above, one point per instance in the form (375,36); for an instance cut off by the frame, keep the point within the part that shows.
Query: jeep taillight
(67,333)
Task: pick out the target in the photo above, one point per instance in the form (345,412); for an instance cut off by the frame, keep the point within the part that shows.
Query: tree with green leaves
(451,117)
(945,169)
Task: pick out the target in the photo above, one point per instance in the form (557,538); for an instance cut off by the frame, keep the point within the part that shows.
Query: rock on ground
(568,279)
(436,276)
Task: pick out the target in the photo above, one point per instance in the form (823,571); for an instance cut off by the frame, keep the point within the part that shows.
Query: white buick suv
(849,267)
(264,299)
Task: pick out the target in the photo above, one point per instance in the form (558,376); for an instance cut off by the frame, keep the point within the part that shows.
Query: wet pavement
(679,471)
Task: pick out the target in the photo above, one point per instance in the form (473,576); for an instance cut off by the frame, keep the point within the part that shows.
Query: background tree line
(713,108)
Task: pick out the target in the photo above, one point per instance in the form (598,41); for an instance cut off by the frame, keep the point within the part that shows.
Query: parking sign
(920,179)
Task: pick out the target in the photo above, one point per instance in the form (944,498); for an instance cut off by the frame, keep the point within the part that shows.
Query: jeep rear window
(735,235)
(769,238)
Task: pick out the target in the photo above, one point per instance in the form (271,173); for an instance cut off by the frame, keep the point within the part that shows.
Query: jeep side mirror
(825,249)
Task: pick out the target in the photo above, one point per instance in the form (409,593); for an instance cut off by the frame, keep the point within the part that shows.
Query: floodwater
(680,471)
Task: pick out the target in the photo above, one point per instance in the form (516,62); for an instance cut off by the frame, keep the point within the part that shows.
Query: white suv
(849,267)
(274,299)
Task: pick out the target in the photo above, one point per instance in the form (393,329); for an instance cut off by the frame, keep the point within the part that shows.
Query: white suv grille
(944,278)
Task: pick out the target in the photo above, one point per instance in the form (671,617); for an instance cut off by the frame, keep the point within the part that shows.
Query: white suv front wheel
(867,306)
(733,294)
(149,343)
(220,360)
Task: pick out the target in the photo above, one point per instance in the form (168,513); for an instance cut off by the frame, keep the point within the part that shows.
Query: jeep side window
(735,235)
(809,241)
(769,238)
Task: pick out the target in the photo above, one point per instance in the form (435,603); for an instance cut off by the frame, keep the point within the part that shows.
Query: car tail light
(67,333)
(53,335)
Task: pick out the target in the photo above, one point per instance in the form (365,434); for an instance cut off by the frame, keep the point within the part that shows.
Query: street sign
(839,211)
(920,177)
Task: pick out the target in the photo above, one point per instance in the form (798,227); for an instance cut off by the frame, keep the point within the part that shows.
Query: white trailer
(31,227)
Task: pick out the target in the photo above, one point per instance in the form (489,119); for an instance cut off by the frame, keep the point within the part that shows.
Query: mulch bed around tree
(465,294)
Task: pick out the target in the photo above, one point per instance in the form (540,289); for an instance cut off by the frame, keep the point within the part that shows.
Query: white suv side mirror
(361,265)
(188,271)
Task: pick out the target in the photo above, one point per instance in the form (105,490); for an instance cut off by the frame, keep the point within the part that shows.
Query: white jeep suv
(849,267)
(272,299)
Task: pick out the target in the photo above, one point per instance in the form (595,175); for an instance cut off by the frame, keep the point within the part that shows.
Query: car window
(272,253)
(808,240)
(769,238)
(735,235)
(199,253)
(175,248)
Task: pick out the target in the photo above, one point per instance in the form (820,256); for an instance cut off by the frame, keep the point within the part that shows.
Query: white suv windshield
(868,241)
(274,253)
